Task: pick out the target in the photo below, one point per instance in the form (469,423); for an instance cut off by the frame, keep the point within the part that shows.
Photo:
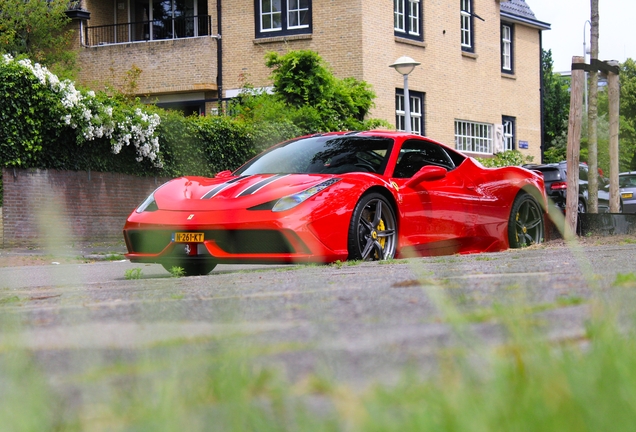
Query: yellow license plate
(188,237)
(627,194)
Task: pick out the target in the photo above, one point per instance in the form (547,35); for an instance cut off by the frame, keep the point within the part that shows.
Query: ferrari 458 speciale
(372,195)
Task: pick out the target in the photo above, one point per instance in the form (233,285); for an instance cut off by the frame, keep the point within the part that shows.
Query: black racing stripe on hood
(261,184)
(213,192)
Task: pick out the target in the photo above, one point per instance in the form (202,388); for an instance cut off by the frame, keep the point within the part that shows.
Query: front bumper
(261,237)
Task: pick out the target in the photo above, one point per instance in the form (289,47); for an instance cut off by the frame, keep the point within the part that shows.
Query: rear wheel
(373,229)
(525,226)
(196,268)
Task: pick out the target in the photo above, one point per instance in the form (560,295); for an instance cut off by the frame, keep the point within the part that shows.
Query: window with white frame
(466,16)
(473,137)
(506,48)
(417,111)
(407,19)
(298,13)
(282,17)
(508,132)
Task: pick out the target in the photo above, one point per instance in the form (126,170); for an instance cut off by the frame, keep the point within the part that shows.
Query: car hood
(201,193)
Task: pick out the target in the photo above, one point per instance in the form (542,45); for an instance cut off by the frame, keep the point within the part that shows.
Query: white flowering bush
(93,116)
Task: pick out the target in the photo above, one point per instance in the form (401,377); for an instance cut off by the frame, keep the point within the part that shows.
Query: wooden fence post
(614,97)
(574,147)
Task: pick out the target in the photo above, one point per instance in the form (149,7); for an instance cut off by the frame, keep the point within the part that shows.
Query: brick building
(478,86)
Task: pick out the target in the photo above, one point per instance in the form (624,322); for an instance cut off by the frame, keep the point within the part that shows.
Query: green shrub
(308,97)
(29,116)
(507,158)
(46,122)
(227,142)
(181,146)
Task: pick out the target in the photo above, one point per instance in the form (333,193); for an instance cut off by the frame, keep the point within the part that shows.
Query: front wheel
(373,229)
(525,226)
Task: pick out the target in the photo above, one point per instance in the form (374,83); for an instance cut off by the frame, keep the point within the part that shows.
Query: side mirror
(223,174)
(426,173)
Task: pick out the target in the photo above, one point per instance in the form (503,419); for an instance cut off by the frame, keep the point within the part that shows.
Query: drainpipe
(219,56)
(541,91)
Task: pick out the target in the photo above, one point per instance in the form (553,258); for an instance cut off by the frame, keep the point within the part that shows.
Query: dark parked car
(627,184)
(555,180)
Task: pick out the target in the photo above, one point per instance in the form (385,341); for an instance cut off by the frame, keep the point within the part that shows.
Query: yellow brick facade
(356,38)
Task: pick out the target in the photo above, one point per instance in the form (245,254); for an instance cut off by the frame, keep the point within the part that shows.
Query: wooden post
(573,150)
(592,115)
(614,97)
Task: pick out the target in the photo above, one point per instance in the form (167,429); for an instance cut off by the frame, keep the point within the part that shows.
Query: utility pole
(592,115)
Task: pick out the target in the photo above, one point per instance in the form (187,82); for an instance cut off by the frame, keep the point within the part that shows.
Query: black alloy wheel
(373,229)
(526,225)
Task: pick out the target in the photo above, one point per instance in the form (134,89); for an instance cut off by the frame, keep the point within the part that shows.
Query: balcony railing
(143,31)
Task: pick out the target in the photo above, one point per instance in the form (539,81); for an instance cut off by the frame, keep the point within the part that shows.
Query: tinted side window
(416,154)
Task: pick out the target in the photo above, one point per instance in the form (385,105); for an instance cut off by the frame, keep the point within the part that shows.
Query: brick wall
(40,205)
(167,66)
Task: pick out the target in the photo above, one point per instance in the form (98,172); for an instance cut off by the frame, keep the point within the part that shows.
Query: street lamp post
(404,66)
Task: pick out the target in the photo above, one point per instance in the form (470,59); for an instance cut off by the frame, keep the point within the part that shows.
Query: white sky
(567,19)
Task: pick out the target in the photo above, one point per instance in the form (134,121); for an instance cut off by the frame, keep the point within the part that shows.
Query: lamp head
(404,65)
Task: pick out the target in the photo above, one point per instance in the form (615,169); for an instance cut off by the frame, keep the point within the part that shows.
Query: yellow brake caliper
(381,240)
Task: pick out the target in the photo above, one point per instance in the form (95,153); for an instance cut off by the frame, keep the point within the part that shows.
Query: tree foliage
(38,30)
(628,114)
(627,120)
(556,106)
(556,109)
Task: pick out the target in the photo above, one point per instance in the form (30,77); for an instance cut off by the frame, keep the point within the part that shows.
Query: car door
(433,212)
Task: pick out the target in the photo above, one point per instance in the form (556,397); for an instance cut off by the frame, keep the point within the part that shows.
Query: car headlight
(148,205)
(291,201)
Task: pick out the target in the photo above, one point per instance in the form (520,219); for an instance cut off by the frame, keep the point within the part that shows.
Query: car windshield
(323,155)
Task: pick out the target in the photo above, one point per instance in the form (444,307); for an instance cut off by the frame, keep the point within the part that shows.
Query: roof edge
(526,21)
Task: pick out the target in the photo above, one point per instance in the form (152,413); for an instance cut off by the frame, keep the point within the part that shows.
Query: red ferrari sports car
(349,195)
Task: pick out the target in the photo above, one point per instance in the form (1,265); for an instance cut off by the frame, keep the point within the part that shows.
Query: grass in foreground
(524,384)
